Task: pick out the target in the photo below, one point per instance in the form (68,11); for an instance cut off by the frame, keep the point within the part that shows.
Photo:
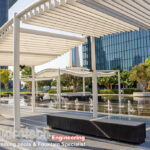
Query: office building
(74,60)
(3,11)
(75,57)
(11,3)
(4,6)
(124,50)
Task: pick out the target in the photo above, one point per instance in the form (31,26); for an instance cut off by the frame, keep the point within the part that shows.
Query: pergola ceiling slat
(56,17)
(63,13)
(129,10)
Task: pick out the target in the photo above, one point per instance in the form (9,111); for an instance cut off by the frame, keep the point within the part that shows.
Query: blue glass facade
(11,2)
(3,11)
(74,57)
(4,6)
(124,50)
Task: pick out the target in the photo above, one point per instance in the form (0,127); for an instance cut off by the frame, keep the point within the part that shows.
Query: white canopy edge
(51,73)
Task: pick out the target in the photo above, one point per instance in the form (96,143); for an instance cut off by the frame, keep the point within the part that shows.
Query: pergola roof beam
(30,53)
(72,29)
(44,42)
(52,35)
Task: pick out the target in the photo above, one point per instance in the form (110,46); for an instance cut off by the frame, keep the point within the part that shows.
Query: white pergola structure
(51,73)
(20,46)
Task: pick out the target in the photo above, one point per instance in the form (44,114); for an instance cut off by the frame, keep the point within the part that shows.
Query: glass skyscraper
(4,6)
(75,57)
(11,2)
(3,11)
(124,50)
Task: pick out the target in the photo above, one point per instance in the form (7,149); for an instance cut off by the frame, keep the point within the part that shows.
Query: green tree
(140,73)
(41,84)
(108,81)
(26,72)
(88,81)
(147,61)
(6,75)
(69,80)
(124,78)
(65,80)
(54,83)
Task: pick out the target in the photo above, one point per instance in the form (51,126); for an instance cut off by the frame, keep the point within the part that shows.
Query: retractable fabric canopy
(51,73)
(36,47)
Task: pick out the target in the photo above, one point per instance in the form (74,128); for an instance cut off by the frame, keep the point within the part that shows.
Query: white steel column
(33,89)
(59,88)
(83,86)
(36,87)
(119,92)
(16,77)
(0,82)
(94,78)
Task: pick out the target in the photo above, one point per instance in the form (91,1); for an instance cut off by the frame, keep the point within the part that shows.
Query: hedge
(63,91)
(108,91)
(68,90)
(100,91)
(11,93)
(6,93)
(148,90)
(130,91)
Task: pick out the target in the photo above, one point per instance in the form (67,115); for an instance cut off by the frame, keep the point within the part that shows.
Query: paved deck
(37,120)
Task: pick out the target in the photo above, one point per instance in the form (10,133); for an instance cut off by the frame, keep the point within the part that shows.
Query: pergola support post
(36,82)
(0,83)
(33,89)
(59,88)
(119,92)
(16,77)
(94,78)
(83,86)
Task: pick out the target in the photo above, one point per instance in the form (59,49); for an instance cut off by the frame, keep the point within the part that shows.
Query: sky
(57,63)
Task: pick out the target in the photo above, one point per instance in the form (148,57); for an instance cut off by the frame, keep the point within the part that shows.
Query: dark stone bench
(120,130)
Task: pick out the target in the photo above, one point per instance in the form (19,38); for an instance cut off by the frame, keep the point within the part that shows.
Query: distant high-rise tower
(11,2)
(74,60)
(3,11)
(4,6)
